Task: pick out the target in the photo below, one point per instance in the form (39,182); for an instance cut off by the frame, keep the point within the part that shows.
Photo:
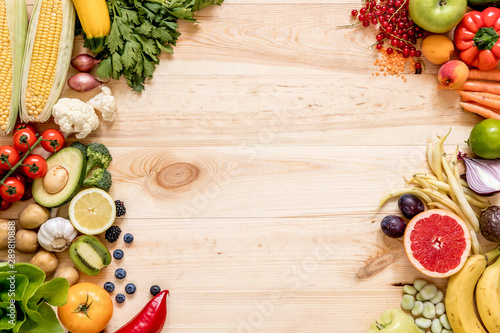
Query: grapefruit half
(437,243)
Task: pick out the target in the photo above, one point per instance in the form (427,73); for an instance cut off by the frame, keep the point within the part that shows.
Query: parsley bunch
(140,31)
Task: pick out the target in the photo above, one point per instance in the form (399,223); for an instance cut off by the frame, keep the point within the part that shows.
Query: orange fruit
(437,243)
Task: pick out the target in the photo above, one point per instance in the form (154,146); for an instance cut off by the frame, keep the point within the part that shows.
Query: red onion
(84,62)
(483,175)
(83,82)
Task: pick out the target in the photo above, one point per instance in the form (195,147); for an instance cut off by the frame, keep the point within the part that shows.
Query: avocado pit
(56,179)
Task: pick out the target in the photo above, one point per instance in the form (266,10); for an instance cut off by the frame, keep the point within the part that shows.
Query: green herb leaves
(140,31)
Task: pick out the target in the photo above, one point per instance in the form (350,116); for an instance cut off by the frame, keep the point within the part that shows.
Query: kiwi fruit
(89,254)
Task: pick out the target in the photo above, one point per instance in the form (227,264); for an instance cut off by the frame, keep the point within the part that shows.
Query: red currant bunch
(397,31)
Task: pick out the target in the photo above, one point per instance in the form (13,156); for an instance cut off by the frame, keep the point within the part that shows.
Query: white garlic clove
(56,234)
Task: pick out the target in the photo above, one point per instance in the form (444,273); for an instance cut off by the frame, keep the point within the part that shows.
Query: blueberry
(109,287)
(120,298)
(130,288)
(128,238)
(155,290)
(120,273)
(118,254)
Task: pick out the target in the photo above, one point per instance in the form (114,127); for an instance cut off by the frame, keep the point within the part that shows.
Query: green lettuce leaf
(33,299)
(21,283)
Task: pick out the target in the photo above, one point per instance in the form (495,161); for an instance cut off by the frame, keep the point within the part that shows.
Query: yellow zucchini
(94,17)
(13,27)
(48,50)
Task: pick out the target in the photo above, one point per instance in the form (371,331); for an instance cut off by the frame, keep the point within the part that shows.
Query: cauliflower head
(75,116)
(105,103)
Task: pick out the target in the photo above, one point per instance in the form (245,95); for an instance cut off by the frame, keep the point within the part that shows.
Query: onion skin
(84,62)
(83,82)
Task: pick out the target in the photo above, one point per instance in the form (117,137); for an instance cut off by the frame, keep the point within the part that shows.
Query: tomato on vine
(9,156)
(24,126)
(12,189)
(53,140)
(34,166)
(4,204)
(19,176)
(24,139)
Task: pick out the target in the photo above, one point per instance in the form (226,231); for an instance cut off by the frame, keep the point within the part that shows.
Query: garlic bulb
(56,234)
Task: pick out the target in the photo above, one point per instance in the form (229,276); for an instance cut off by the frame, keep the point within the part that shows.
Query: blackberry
(118,254)
(109,287)
(155,290)
(130,288)
(120,273)
(113,233)
(120,208)
(120,298)
(128,238)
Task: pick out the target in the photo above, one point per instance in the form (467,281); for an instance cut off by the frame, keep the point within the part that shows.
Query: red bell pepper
(151,319)
(476,36)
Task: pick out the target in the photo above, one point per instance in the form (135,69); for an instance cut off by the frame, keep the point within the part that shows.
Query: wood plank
(303,110)
(258,181)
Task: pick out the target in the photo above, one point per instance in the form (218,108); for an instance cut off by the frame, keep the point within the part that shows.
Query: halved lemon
(92,211)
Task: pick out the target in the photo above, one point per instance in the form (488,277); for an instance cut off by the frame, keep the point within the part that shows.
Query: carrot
(465,99)
(480,110)
(484,98)
(472,85)
(476,74)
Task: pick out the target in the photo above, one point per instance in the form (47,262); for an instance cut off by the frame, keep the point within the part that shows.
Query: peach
(453,74)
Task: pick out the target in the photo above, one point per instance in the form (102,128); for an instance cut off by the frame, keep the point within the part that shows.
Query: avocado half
(75,163)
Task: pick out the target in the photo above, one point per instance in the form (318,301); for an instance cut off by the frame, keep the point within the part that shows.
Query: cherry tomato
(28,184)
(4,204)
(28,191)
(23,126)
(24,139)
(12,189)
(34,166)
(17,175)
(8,153)
(88,309)
(52,134)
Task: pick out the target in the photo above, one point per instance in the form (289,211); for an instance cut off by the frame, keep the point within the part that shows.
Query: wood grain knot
(377,264)
(177,175)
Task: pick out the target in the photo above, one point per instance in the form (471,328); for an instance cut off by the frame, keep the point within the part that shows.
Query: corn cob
(47,56)
(13,27)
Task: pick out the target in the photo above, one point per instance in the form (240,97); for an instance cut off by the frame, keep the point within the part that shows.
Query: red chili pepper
(152,317)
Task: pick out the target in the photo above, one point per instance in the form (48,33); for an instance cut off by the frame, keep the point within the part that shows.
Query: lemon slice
(92,211)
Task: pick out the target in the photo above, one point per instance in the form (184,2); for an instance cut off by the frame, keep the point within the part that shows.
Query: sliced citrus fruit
(92,211)
(437,243)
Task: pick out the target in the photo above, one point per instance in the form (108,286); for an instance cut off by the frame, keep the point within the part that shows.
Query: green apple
(437,16)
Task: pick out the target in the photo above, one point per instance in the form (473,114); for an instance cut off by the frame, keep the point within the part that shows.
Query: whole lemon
(437,49)
(484,139)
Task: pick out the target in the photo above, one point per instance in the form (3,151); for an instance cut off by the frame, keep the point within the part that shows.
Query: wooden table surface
(251,164)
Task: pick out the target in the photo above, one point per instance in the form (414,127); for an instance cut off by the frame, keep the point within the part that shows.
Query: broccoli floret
(97,156)
(80,146)
(101,178)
